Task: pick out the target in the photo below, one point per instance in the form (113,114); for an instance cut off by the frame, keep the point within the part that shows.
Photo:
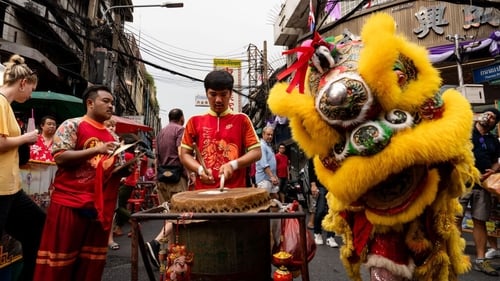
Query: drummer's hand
(31,137)
(208,179)
(226,170)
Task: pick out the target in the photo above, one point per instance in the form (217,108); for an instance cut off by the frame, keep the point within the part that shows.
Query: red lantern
(282,274)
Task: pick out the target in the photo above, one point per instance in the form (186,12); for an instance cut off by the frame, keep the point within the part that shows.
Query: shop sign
(487,73)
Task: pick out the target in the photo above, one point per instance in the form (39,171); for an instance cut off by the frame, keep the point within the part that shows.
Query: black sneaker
(153,249)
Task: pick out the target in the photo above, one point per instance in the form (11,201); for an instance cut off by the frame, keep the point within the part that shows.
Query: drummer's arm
(187,159)
(245,160)
(248,158)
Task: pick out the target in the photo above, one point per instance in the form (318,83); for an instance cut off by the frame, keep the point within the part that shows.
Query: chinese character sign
(430,18)
(475,16)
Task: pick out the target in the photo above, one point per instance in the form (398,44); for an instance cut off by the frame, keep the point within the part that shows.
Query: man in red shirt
(226,140)
(75,236)
(282,170)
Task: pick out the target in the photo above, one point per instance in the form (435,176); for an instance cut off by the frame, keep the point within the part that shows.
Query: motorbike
(295,190)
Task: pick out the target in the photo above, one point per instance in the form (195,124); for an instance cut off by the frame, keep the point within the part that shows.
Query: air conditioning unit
(474,93)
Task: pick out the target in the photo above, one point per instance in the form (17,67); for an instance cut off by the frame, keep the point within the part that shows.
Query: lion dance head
(393,152)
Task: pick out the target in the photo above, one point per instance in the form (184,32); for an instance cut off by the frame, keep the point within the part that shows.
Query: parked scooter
(295,191)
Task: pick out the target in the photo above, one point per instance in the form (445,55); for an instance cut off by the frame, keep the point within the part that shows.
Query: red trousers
(73,246)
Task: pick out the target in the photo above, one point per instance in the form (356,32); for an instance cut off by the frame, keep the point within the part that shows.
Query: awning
(125,125)
(60,106)
(442,53)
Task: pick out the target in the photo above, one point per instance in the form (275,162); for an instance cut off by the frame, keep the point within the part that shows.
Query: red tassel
(302,63)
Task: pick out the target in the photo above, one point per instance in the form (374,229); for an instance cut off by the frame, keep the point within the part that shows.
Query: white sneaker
(492,253)
(330,241)
(318,239)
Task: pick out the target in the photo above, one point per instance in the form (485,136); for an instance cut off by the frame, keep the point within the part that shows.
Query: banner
(234,68)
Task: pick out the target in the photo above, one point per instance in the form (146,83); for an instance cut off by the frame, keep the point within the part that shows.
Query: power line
(104,44)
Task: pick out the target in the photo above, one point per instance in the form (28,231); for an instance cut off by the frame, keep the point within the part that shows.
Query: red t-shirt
(74,185)
(221,139)
(281,165)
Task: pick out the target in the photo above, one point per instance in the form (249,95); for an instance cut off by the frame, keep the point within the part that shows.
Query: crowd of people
(90,191)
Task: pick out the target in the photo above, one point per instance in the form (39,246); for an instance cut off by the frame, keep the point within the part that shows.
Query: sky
(187,39)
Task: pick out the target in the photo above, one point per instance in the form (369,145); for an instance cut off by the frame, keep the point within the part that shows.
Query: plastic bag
(492,184)
(290,243)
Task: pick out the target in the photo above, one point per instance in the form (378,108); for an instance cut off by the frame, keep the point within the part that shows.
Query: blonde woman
(20,217)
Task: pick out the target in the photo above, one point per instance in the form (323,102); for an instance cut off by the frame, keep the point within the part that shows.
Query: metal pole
(146,114)
(456,39)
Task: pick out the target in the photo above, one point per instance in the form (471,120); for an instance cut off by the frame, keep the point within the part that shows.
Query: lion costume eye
(371,137)
(344,100)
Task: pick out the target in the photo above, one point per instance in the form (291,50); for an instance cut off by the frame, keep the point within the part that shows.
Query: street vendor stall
(37,176)
(36,180)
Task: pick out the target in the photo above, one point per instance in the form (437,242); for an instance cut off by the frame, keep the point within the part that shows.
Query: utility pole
(253,62)
(474,93)
(265,67)
(88,46)
(258,71)
(456,39)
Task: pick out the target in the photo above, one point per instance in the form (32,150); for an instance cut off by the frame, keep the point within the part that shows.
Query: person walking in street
(486,150)
(168,144)
(319,192)
(42,149)
(75,236)
(227,141)
(282,170)
(265,168)
(20,217)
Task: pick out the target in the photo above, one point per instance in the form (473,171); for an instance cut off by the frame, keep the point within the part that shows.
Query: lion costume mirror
(393,152)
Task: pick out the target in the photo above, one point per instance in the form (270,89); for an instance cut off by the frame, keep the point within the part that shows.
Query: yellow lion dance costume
(394,154)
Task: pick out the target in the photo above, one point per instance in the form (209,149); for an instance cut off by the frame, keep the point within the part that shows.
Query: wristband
(200,170)
(234,164)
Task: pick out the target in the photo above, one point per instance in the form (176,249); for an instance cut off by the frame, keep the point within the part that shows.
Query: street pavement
(325,266)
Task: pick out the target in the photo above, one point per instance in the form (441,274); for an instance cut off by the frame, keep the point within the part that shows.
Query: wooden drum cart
(217,222)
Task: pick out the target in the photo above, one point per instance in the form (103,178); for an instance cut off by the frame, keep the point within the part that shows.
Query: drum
(227,250)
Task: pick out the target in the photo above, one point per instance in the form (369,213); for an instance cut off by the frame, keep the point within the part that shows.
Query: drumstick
(221,188)
(199,158)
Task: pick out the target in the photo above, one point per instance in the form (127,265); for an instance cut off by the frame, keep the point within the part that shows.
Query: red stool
(136,200)
(153,198)
(149,194)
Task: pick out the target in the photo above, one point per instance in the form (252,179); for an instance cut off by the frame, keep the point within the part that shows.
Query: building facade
(74,43)
(461,36)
